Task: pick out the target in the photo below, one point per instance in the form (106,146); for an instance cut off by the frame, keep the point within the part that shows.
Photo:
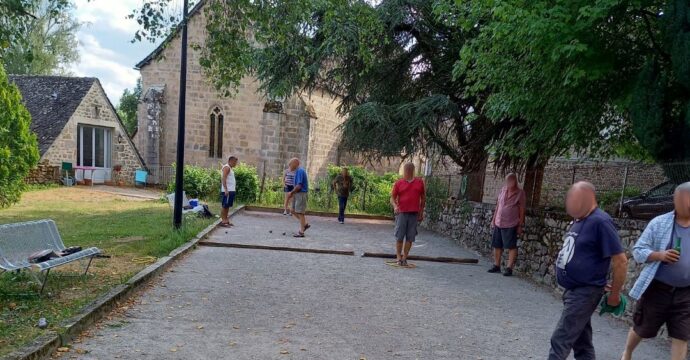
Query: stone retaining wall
(469,225)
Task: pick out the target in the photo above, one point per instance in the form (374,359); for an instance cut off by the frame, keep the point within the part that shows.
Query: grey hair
(684,187)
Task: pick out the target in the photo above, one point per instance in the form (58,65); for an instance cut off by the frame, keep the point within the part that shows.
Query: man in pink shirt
(408,198)
(507,223)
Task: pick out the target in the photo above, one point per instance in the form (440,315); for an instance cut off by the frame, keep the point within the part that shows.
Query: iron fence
(161,175)
(625,189)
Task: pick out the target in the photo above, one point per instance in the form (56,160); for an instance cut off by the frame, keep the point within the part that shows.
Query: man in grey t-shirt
(663,287)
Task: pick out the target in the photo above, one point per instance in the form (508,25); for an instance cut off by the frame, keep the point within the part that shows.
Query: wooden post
(625,184)
(574,171)
(263,182)
(330,194)
(364,196)
(448,189)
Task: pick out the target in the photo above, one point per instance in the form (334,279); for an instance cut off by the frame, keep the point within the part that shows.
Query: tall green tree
(391,66)
(584,75)
(49,44)
(18,146)
(127,108)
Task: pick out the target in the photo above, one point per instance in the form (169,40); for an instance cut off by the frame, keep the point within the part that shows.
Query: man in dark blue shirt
(589,247)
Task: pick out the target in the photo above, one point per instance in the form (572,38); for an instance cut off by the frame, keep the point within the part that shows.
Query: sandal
(306,227)
(226,225)
(298,235)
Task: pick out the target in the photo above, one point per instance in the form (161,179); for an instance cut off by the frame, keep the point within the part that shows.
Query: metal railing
(616,183)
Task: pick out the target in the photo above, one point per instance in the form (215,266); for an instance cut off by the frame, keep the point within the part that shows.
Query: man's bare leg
(302,221)
(498,253)
(224,215)
(512,256)
(408,246)
(398,250)
(631,344)
(679,349)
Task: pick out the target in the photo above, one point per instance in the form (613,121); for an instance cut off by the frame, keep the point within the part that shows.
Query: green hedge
(204,183)
(370,192)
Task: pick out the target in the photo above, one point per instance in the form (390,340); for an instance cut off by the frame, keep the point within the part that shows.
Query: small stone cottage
(75,123)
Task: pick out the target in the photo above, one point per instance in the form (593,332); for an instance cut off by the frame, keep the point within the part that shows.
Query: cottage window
(215,145)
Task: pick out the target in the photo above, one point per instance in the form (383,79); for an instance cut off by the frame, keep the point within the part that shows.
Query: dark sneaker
(495,269)
(508,272)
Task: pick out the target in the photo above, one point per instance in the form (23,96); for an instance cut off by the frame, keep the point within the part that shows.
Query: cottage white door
(94,149)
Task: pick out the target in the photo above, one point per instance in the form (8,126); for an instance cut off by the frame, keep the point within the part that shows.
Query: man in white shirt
(227,191)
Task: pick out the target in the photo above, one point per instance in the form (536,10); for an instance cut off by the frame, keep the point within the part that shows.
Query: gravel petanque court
(228,303)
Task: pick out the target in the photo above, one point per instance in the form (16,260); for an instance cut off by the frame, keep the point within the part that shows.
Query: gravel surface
(223,303)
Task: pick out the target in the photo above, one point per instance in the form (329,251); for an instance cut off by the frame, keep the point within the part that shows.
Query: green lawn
(133,232)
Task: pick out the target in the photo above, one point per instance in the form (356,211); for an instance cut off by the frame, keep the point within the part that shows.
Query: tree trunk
(534,177)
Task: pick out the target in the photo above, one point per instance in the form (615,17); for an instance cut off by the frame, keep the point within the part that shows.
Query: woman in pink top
(507,223)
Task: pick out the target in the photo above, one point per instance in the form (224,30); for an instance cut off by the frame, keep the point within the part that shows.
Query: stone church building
(259,132)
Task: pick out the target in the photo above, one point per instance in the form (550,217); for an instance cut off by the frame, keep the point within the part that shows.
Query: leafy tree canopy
(391,65)
(523,80)
(49,43)
(127,108)
(585,75)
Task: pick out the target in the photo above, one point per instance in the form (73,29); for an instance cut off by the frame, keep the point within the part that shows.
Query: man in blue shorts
(227,191)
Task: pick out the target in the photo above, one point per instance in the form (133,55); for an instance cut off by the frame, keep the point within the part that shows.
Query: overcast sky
(105,46)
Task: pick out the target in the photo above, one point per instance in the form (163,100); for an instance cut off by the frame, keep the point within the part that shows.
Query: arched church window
(215,141)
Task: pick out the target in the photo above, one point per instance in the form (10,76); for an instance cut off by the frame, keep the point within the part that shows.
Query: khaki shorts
(299,203)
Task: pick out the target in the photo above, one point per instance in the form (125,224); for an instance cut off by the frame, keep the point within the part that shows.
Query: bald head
(581,199)
(681,200)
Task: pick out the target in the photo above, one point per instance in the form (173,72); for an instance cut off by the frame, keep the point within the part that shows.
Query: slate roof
(51,100)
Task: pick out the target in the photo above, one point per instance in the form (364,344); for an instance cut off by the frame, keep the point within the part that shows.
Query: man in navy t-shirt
(589,247)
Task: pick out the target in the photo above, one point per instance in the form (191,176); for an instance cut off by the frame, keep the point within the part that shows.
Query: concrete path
(223,303)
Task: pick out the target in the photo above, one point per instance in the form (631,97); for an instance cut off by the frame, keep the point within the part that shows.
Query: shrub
(18,145)
(204,183)
(198,182)
(247,183)
(370,192)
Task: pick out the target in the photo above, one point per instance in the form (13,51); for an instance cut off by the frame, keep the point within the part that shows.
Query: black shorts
(227,201)
(504,238)
(288,188)
(661,304)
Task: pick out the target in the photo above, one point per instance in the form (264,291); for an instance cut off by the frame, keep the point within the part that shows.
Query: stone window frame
(216,119)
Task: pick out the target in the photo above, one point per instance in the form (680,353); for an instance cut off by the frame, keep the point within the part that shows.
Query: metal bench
(18,241)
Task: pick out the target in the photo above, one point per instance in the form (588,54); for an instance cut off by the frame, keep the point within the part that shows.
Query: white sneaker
(285,213)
